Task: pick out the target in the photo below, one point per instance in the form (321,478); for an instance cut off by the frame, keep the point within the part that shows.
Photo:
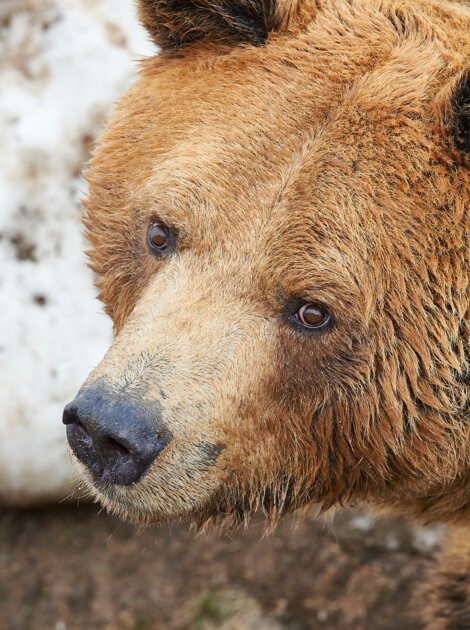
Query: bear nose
(117,440)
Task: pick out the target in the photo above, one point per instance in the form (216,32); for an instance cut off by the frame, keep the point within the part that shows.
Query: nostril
(121,465)
(111,449)
(79,432)
(82,445)
(70,415)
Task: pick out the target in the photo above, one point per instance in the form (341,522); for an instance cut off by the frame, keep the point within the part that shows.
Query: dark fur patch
(210,452)
(460,122)
(175,23)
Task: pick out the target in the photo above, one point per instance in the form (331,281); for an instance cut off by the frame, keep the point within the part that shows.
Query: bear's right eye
(160,238)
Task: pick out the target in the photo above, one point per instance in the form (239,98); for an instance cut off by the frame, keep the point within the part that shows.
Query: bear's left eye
(313,315)
(160,238)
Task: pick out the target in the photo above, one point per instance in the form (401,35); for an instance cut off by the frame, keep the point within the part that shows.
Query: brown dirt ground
(70,568)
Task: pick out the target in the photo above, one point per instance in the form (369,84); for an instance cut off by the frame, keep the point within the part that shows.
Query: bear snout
(116,440)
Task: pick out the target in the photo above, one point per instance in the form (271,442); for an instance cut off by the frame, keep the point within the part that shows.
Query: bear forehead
(248,123)
(212,150)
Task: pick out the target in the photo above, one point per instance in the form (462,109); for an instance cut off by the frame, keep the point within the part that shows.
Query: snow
(362,522)
(62,65)
(427,538)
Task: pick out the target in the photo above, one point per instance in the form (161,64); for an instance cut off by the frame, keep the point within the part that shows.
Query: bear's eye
(160,238)
(313,315)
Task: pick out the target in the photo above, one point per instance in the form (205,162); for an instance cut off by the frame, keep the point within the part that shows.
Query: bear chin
(139,505)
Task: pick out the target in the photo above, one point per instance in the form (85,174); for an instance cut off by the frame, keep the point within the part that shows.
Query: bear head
(278,219)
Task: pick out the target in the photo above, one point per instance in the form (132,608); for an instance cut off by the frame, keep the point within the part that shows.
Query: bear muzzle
(116,439)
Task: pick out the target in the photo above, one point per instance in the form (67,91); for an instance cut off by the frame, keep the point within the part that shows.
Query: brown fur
(328,164)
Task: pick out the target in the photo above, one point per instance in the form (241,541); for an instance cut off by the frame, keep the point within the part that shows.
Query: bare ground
(73,568)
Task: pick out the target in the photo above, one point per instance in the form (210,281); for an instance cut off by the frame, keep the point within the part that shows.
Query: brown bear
(278,217)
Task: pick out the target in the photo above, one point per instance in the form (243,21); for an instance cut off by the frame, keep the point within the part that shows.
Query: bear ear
(174,23)
(458,112)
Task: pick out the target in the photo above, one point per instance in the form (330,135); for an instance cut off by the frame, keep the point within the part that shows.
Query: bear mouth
(177,489)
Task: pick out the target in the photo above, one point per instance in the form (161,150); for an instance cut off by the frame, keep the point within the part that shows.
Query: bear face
(280,229)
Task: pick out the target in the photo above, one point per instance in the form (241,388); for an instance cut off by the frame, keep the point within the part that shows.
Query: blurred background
(64,564)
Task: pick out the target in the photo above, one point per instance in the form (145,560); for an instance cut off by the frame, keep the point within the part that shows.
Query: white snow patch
(427,538)
(62,65)
(362,522)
